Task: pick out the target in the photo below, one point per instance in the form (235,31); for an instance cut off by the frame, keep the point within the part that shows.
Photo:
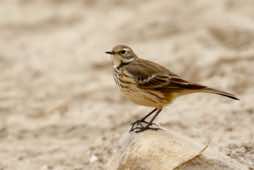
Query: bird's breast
(137,95)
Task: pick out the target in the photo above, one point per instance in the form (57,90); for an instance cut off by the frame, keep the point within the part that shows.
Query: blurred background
(59,106)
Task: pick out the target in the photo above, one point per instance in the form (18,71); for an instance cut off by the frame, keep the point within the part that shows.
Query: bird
(150,84)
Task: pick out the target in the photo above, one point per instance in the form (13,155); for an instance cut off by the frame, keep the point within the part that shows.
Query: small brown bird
(150,84)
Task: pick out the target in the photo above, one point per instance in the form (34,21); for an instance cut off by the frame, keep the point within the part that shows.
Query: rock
(164,150)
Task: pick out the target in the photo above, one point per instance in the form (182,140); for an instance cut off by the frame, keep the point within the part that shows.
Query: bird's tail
(196,88)
(219,92)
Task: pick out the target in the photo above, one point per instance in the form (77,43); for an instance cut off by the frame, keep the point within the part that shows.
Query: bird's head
(122,54)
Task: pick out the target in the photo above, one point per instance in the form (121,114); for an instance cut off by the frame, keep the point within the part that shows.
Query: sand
(59,107)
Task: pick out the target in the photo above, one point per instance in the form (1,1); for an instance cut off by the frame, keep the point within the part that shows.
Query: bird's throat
(121,65)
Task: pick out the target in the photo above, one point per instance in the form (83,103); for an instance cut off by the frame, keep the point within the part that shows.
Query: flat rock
(165,150)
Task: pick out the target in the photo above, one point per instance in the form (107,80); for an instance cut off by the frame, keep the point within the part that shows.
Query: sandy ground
(59,107)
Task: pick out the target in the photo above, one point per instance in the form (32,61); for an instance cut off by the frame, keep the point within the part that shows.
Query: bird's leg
(149,124)
(138,123)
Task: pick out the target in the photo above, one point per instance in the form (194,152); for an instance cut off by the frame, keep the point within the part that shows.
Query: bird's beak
(109,52)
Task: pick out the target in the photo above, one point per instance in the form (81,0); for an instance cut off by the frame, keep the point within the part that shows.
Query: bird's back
(151,76)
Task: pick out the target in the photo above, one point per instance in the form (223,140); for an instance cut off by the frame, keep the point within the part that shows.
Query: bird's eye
(122,51)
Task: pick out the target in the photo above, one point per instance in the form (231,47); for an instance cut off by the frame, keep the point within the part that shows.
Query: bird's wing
(149,75)
(167,82)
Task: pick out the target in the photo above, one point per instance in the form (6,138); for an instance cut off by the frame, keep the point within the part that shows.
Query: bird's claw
(142,125)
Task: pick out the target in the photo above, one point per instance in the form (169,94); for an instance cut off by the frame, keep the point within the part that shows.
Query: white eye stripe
(125,50)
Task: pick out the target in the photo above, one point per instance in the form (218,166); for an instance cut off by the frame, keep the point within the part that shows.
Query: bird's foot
(142,125)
